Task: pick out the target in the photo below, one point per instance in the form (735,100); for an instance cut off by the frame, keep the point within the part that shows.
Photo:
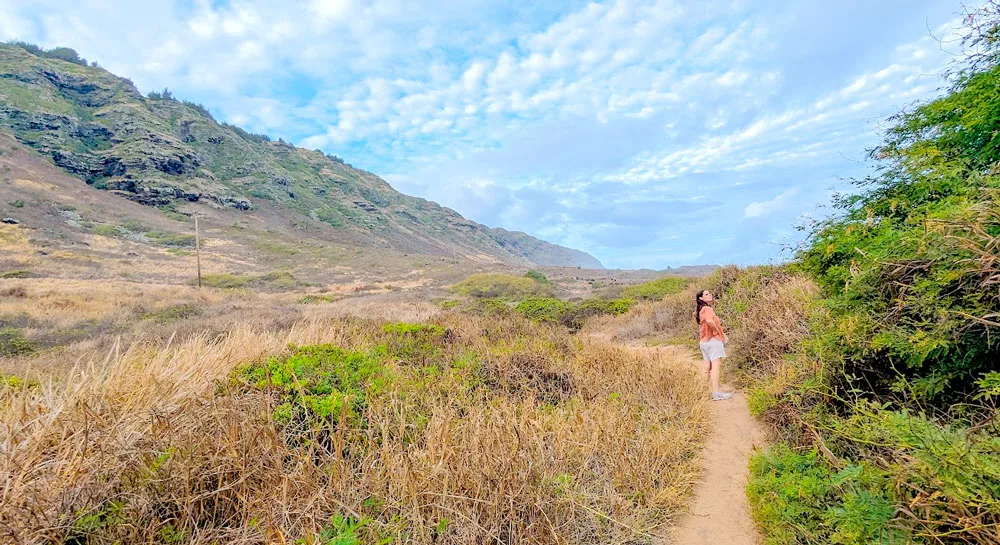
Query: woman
(712,343)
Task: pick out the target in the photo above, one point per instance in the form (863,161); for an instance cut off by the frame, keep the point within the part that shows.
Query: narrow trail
(719,512)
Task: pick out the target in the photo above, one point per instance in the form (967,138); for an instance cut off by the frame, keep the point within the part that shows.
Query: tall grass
(668,320)
(498,430)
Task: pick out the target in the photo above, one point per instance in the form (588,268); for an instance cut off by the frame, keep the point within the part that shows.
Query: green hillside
(160,151)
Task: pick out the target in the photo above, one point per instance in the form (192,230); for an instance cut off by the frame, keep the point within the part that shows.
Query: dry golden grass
(767,313)
(670,320)
(559,439)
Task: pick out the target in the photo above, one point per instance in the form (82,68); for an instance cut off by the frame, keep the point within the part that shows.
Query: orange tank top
(705,330)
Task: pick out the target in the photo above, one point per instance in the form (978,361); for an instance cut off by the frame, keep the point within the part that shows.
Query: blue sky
(650,134)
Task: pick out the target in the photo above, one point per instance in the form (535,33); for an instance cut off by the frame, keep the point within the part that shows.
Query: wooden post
(197,248)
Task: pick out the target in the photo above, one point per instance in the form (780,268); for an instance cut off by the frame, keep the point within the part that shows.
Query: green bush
(313,299)
(415,343)
(17,204)
(344,530)
(797,498)
(280,280)
(226,280)
(542,309)
(319,383)
(537,277)
(502,286)
(909,265)
(571,315)
(60,53)
(656,289)
(15,382)
(134,230)
(614,307)
(173,240)
(577,314)
(171,314)
(490,306)
(896,377)
(13,342)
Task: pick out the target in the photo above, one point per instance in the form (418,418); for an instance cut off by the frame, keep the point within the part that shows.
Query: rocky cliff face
(162,152)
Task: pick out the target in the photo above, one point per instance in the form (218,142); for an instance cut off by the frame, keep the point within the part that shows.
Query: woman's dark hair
(700,303)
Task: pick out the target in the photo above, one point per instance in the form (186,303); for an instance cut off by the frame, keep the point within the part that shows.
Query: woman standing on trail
(712,343)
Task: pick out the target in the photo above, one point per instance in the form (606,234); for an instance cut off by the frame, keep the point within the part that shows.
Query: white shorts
(713,349)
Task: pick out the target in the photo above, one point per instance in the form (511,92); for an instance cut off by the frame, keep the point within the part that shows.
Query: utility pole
(197,248)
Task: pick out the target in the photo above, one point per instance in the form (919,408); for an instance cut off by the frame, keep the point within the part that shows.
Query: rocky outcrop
(231,202)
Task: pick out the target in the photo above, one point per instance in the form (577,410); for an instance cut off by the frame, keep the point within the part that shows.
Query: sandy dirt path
(719,512)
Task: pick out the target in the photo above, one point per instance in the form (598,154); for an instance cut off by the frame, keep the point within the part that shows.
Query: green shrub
(797,499)
(577,314)
(281,280)
(313,299)
(15,382)
(911,264)
(542,309)
(502,286)
(614,307)
(171,314)
(17,204)
(414,330)
(134,230)
(490,306)
(13,343)
(15,274)
(344,530)
(173,240)
(537,277)
(656,289)
(226,280)
(60,53)
(107,230)
(169,535)
(94,521)
(319,383)
(416,343)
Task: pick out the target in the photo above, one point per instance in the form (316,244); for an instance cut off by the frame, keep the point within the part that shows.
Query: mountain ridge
(171,155)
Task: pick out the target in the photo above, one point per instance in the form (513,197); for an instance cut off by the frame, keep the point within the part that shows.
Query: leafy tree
(165,94)
(910,267)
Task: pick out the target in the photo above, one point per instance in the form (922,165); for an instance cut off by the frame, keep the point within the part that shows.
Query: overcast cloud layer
(649,134)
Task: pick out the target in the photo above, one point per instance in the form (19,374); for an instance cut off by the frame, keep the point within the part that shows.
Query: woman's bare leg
(706,371)
(715,369)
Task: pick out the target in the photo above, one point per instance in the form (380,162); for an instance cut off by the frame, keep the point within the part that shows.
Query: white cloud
(710,94)
(758,209)
(328,11)
(12,26)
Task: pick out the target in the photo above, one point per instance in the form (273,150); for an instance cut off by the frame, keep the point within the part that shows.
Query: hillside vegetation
(534,296)
(172,155)
(239,416)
